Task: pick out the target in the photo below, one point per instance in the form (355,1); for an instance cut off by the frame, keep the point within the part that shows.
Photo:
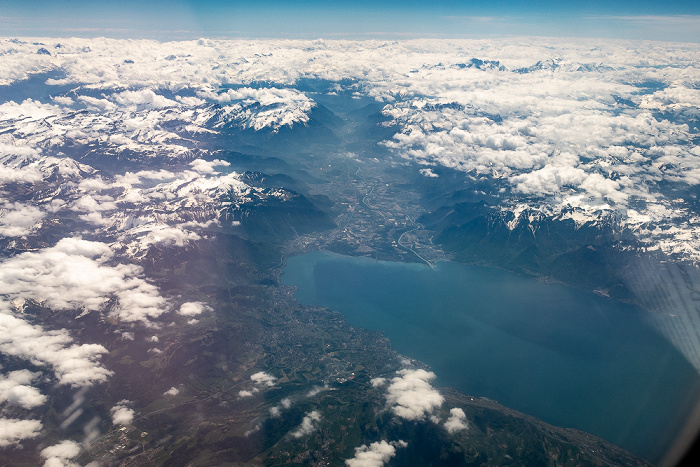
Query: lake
(568,357)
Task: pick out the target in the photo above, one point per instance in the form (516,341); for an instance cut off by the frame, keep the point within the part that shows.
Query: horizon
(311,19)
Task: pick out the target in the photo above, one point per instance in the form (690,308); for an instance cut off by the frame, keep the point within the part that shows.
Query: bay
(568,357)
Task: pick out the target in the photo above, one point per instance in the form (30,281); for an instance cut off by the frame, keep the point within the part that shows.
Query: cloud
(74,274)
(457,421)
(676,98)
(193,309)
(143,176)
(59,455)
(255,429)
(17,219)
(95,218)
(428,172)
(549,180)
(19,164)
(63,100)
(263,378)
(275,411)
(375,455)
(378,382)
(12,431)
(207,167)
(15,389)
(317,390)
(122,414)
(96,104)
(562,141)
(92,203)
(28,110)
(76,365)
(143,98)
(173,391)
(308,425)
(411,396)
(166,235)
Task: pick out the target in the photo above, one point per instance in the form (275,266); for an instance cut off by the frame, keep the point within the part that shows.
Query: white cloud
(457,421)
(207,167)
(263,378)
(411,396)
(143,176)
(428,172)
(173,391)
(126,335)
(308,425)
(122,414)
(16,389)
(549,180)
(92,203)
(10,174)
(275,411)
(28,110)
(59,455)
(255,429)
(375,455)
(193,308)
(95,218)
(317,390)
(378,382)
(190,101)
(97,104)
(74,274)
(17,219)
(143,97)
(12,431)
(77,365)
(140,237)
(63,100)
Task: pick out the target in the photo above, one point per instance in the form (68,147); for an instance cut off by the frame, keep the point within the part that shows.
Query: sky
(310,19)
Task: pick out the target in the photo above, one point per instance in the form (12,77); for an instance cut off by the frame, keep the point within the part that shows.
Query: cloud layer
(597,126)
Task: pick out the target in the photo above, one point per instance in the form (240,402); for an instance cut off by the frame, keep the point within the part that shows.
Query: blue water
(568,357)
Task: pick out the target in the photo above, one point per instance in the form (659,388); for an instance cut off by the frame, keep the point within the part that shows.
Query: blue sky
(184,19)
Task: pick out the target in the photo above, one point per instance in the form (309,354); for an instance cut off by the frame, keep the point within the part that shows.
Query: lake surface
(568,357)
